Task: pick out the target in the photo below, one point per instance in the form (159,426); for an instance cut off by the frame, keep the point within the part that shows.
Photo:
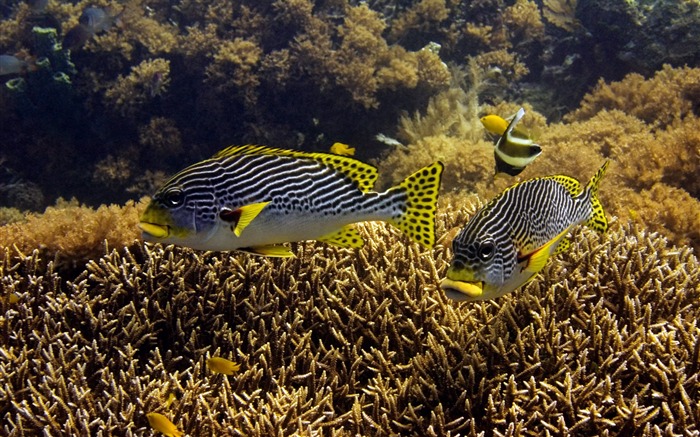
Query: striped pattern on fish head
(485,259)
(181,212)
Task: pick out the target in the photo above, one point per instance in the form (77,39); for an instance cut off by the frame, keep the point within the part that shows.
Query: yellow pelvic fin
(364,175)
(247,214)
(422,188)
(538,258)
(273,250)
(597,220)
(347,237)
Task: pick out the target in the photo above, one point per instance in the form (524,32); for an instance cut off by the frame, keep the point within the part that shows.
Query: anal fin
(347,237)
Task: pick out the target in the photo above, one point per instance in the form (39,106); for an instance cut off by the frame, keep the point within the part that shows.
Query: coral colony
(102,101)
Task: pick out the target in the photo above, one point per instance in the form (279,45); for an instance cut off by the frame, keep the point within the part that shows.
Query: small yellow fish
(171,398)
(12,298)
(222,365)
(342,149)
(162,424)
(495,124)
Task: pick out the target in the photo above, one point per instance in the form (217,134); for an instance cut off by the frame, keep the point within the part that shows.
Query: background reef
(158,85)
(97,329)
(341,342)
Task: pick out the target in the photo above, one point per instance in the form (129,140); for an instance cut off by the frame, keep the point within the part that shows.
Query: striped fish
(514,150)
(254,198)
(510,239)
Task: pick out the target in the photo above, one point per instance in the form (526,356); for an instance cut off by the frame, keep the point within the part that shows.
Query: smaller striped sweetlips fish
(510,239)
(254,198)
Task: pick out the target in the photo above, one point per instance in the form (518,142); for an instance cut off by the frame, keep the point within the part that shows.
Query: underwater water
(103,102)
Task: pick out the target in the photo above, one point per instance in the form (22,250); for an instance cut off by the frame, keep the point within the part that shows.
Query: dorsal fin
(572,186)
(364,175)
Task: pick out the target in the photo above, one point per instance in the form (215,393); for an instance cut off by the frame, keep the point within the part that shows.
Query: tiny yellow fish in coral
(171,398)
(163,425)
(222,365)
(342,149)
(12,298)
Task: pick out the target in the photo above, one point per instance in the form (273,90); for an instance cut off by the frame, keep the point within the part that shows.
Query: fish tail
(597,218)
(421,191)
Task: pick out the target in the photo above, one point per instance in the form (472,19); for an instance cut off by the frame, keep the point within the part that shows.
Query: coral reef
(69,234)
(641,35)
(90,75)
(345,342)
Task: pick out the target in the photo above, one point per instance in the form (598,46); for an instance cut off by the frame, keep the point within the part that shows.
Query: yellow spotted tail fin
(597,219)
(422,187)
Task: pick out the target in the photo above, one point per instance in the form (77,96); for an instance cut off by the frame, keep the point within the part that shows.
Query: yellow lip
(154,230)
(469,289)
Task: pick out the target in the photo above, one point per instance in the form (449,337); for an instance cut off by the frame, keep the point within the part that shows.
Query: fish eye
(486,250)
(173,198)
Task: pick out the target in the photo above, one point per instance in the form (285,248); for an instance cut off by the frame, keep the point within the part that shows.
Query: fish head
(482,266)
(176,216)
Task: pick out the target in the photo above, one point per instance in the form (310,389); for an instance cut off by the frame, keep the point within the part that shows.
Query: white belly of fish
(275,229)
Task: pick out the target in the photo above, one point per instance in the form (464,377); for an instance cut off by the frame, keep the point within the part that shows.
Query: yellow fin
(247,214)
(597,220)
(422,188)
(564,245)
(572,186)
(364,175)
(162,424)
(538,258)
(347,237)
(273,250)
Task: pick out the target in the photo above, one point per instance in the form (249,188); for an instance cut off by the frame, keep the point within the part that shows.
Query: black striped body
(301,197)
(508,241)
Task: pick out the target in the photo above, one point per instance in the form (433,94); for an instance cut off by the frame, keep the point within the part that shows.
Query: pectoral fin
(242,217)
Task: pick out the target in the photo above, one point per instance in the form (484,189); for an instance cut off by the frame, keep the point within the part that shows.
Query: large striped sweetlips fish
(255,198)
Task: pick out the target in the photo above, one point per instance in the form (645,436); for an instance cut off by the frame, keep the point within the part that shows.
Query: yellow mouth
(468,289)
(154,230)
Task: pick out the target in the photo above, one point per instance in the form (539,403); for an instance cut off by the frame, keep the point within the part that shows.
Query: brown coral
(668,97)
(339,342)
(71,233)
(146,81)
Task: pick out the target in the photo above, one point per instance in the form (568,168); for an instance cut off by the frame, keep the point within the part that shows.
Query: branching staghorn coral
(345,342)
